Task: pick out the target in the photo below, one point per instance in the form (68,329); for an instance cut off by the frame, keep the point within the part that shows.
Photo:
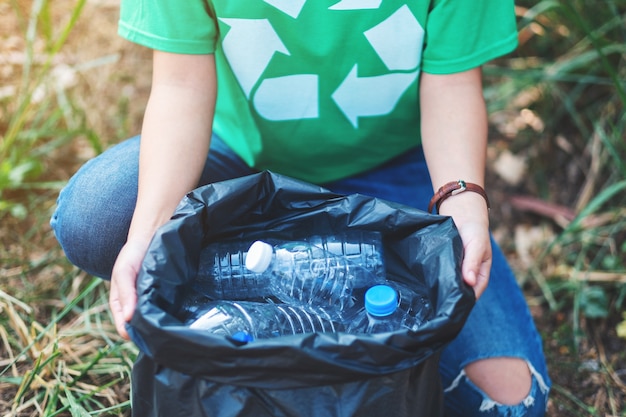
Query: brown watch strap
(453,188)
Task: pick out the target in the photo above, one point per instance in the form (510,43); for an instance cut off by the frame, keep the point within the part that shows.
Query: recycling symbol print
(396,40)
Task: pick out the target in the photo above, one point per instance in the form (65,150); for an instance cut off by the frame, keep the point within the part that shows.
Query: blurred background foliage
(567,81)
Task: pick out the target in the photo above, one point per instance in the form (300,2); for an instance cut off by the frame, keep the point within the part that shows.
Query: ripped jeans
(93,216)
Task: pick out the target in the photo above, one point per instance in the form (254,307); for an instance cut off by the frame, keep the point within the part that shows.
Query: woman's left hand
(470,215)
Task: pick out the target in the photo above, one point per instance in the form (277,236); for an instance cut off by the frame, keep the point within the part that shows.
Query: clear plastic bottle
(303,273)
(247,320)
(222,273)
(360,247)
(389,307)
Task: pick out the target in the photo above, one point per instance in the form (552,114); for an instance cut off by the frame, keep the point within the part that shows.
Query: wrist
(151,212)
(455,188)
(466,209)
(143,228)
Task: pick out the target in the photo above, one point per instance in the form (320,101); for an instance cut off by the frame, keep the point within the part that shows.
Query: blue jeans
(93,216)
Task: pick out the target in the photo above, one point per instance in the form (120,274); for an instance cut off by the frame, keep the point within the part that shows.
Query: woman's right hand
(175,140)
(123,294)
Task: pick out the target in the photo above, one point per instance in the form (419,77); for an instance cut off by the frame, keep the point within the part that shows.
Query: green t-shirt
(317,89)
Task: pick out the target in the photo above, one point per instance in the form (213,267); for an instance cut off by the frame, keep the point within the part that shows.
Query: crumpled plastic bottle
(299,272)
(246,321)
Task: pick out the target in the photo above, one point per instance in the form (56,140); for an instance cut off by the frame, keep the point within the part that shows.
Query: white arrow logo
(249,47)
(398,40)
(356,5)
(371,96)
(291,97)
(289,7)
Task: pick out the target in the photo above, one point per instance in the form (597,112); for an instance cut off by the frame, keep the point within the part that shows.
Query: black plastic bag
(185,372)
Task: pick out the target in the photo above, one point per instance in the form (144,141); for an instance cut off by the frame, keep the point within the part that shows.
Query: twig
(567,394)
(563,215)
(592,176)
(5,340)
(589,276)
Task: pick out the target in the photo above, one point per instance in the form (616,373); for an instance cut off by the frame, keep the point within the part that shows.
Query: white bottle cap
(259,256)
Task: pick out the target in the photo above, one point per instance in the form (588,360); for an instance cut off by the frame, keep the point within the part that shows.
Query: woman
(382,98)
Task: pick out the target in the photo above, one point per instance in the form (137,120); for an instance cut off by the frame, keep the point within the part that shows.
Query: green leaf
(76,410)
(594,303)
(19,173)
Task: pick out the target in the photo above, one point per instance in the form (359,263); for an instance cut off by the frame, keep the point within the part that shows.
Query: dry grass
(59,353)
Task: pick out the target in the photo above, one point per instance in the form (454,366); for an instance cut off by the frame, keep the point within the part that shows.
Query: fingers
(478,278)
(123,294)
(118,306)
(476,267)
(472,221)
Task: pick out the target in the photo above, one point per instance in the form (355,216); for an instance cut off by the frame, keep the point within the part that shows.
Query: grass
(567,82)
(74,365)
(580,97)
(59,353)
(42,117)
(556,105)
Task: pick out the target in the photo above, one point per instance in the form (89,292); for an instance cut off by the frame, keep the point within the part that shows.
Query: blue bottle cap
(381,300)
(243,336)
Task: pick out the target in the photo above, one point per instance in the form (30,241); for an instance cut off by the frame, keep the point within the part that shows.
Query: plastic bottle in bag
(390,307)
(360,247)
(303,273)
(222,273)
(246,321)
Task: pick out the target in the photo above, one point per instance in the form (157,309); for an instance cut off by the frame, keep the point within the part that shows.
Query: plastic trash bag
(186,372)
